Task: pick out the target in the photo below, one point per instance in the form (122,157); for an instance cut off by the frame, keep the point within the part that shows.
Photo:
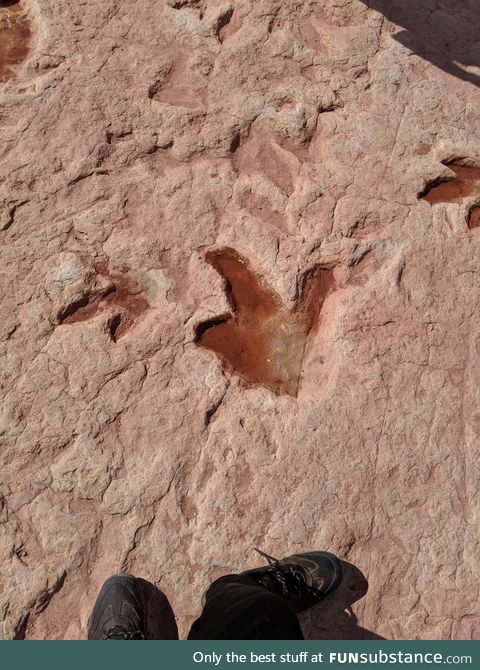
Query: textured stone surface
(137,138)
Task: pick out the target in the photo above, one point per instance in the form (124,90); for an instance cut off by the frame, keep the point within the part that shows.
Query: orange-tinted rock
(151,136)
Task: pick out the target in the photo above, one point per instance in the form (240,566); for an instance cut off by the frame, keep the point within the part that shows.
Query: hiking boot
(303,580)
(118,613)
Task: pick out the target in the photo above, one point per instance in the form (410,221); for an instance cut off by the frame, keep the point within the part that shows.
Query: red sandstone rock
(136,142)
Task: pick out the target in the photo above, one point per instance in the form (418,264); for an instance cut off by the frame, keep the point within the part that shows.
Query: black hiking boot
(118,613)
(303,580)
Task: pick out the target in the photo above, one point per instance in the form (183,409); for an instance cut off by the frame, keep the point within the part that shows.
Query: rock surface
(135,140)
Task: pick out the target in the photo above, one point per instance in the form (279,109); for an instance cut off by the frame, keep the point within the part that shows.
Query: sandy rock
(306,137)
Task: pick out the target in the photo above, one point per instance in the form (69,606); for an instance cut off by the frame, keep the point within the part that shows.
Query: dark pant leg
(238,608)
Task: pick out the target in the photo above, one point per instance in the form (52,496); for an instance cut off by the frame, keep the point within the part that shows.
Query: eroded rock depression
(228,317)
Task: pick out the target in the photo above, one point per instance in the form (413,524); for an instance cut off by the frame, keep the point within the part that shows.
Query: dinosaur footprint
(120,293)
(15,35)
(463,184)
(260,340)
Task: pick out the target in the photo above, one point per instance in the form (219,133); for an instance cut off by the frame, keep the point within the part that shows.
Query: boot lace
(121,633)
(290,578)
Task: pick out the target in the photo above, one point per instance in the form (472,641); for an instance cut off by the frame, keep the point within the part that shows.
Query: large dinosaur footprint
(260,340)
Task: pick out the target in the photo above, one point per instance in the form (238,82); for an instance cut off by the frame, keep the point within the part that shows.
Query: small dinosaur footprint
(260,340)
(463,184)
(120,293)
(15,34)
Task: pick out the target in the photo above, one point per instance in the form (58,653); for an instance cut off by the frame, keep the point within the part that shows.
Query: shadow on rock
(440,31)
(161,623)
(334,619)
